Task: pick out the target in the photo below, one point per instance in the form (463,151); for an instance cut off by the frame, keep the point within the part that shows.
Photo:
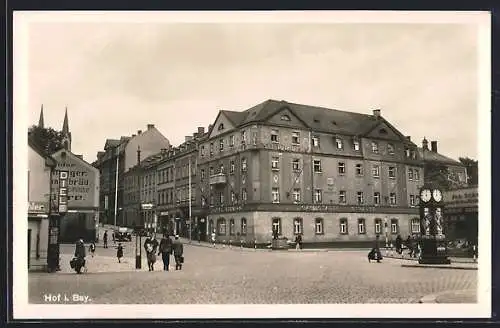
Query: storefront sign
(465,195)
(147,206)
(163,213)
(280,147)
(226,209)
(63,193)
(38,207)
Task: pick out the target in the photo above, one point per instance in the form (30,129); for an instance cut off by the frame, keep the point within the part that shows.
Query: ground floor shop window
(243,226)
(277,225)
(318,226)
(221,226)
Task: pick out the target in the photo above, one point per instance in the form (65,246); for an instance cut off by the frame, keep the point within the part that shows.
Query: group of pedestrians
(165,248)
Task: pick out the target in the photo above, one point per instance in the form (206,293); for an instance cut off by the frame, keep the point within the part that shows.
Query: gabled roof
(76,157)
(235,117)
(430,156)
(49,161)
(111,143)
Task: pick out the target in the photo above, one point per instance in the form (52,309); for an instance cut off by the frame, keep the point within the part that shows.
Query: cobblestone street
(224,275)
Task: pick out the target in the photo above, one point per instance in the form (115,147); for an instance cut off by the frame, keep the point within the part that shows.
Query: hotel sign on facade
(463,200)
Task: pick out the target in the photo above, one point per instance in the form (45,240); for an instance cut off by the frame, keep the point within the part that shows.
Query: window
(343,226)
(211,170)
(376,171)
(415,225)
(339,143)
(254,138)
(378,226)
(221,127)
(276,226)
(417,174)
(244,195)
(392,172)
(341,168)
(202,152)
(275,136)
(361,226)
(394,226)
(276,195)
(285,117)
(412,200)
(318,196)
(221,145)
(243,137)
(297,226)
(231,167)
(233,197)
(221,198)
(231,227)
(360,197)
(355,144)
(410,174)
(211,149)
(231,141)
(275,161)
(318,226)
(317,165)
(221,168)
(315,141)
(296,164)
(295,138)
(390,148)
(342,197)
(243,164)
(296,195)
(392,198)
(376,198)
(359,169)
(374,147)
(243,226)
(221,226)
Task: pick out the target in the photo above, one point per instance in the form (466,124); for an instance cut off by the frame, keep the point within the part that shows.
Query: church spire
(40,120)
(65,129)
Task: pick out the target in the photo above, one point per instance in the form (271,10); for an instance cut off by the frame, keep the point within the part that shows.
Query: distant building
(123,152)
(40,168)
(335,177)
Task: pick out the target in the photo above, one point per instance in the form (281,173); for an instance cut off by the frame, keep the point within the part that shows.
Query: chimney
(210,127)
(138,155)
(376,112)
(434,146)
(408,138)
(150,126)
(139,132)
(425,144)
(201,130)
(195,135)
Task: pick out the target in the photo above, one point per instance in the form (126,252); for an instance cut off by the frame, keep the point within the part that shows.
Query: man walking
(165,251)
(105,239)
(150,252)
(178,253)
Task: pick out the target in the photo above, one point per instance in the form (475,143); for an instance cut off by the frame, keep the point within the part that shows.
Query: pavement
(225,275)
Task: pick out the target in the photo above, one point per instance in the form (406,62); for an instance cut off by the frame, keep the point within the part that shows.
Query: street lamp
(138,250)
(386,235)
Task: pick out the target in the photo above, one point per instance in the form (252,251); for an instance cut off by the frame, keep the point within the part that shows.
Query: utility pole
(116,182)
(190,223)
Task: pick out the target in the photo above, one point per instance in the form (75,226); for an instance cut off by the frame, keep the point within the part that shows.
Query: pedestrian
(80,255)
(119,252)
(399,244)
(92,248)
(150,252)
(375,253)
(409,245)
(213,238)
(105,239)
(178,253)
(114,238)
(298,242)
(165,250)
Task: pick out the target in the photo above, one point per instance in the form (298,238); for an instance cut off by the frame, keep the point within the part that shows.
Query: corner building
(335,177)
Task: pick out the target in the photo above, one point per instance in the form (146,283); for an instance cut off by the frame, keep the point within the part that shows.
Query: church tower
(40,120)
(65,132)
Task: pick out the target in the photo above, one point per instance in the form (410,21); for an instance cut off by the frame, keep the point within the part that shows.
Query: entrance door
(29,247)
(202,229)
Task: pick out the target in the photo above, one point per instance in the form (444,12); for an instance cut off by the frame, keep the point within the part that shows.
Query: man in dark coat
(399,244)
(178,253)
(150,248)
(105,239)
(376,248)
(80,253)
(165,250)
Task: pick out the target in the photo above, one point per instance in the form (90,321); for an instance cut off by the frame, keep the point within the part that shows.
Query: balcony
(218,179)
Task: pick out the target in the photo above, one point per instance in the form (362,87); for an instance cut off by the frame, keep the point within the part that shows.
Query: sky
(116,77)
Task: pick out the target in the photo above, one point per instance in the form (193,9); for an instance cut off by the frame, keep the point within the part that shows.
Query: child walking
(119,252)
(92,248)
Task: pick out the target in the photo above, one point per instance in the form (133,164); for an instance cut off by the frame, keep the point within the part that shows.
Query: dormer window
(221,127)
(374,147)
(355,144)
(390,148)
(285,117)
(383,131)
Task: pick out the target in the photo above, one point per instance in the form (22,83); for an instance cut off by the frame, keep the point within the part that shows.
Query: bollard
(241,244)
(255,244)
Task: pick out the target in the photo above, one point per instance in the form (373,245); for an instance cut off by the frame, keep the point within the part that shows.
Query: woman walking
(178,253)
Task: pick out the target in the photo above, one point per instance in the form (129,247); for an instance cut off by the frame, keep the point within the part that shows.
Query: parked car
(122,234)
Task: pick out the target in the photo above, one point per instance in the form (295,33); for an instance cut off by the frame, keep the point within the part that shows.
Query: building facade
(332,176)
(118,157)
(40,167)
(461,214)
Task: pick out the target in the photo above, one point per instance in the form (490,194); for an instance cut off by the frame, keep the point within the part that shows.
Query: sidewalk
(451,297)
(99,264)
(395,255)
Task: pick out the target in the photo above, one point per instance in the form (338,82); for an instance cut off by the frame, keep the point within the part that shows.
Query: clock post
(432,238)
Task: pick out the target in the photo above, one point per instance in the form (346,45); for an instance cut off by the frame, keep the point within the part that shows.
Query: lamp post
(386,236)
(138,250)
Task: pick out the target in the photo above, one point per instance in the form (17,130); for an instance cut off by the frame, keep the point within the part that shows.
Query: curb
(430,266)
(415,259)
(432,298)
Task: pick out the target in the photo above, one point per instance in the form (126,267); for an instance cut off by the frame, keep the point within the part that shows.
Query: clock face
(425,195)
(436,194)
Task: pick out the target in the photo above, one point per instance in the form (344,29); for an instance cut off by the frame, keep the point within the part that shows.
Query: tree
(471,166)
(46,139)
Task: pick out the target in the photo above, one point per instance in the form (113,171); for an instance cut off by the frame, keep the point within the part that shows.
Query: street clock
(437,195)
(425,195)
